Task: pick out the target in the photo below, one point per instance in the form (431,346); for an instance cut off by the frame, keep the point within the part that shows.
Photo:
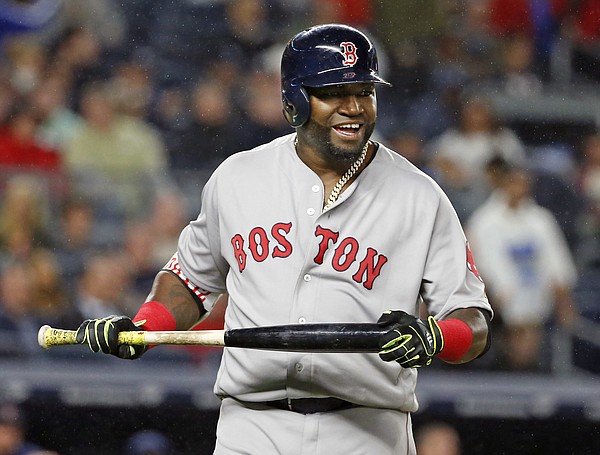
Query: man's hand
(410,341)
(102,335)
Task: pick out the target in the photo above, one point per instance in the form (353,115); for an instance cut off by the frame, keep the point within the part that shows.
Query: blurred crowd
(114,113)
(16,437)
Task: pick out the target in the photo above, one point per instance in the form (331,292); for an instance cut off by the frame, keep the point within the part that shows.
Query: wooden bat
(328,337)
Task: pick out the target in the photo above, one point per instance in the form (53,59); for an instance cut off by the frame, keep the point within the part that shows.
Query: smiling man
(322,225)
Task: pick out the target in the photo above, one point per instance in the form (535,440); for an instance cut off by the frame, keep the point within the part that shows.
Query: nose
(350,105)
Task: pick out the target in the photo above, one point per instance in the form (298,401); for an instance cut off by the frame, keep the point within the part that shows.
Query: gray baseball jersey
(390,241)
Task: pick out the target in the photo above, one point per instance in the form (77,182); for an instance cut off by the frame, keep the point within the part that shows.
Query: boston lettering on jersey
(264,243)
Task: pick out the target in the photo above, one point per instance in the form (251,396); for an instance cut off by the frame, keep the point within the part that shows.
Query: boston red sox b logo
(349,51)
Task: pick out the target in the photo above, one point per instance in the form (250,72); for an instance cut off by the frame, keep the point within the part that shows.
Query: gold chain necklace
(335,192)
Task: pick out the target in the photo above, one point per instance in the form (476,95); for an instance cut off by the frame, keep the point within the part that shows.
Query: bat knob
(42,336)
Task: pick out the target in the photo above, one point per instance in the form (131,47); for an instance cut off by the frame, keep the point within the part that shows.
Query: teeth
(351,126)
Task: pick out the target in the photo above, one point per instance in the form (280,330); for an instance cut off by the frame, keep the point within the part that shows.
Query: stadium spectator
(8,96)
(183,36)
(170,114)
(555,187)
(25,60)
(528,269)
(74,240)
(13,433)
(479,40)
(79,54)
(132,86)
(120,155)
(19,147)
(459,155)
(18,322)
(589,174)
(170,214)
(411,146)
(211,133)
(517,76)
(51,302)
(435,108)
(105,19)
(97,290)
(588,184)
(24,209)
(249,31)
(261,109)
(138,249)
(538,19)
(58,123)
(148,243)
(437,438)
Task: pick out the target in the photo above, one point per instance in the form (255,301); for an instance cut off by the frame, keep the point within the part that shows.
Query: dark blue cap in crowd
(148,442)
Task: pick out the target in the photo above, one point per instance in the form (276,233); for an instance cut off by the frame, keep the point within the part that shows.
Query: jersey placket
(306,296)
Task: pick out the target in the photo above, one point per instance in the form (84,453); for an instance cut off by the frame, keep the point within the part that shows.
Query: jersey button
(311,211)
(299,367)
(315,188)
(302,320)
(307,277)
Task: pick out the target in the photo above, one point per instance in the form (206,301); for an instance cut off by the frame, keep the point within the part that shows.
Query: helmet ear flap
(289,110)
(296,106)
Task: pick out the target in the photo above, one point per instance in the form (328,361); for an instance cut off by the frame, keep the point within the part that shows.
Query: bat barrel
(337,337)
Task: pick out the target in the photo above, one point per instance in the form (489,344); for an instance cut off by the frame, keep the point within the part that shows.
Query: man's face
(342,120)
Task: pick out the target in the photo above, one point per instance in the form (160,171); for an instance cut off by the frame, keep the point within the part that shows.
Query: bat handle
(50,336)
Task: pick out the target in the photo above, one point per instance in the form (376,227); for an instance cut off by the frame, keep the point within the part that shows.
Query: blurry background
(114,113)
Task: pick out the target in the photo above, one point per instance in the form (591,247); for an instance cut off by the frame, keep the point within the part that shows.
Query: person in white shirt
(527,266)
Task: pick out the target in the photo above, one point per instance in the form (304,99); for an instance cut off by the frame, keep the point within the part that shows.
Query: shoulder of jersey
(257,155)
(398,163)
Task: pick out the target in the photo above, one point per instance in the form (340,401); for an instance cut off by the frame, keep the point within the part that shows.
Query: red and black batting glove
(103,335)
(410,341)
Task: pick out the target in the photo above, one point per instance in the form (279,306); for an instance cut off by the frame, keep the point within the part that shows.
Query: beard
(319,138)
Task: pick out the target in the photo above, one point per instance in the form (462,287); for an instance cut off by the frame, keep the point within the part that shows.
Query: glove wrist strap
(154,316)
(458,338)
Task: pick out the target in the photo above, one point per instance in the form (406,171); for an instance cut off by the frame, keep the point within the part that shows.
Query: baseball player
(321,225)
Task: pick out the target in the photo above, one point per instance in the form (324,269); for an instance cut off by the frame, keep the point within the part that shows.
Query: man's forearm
(478,324)
(172,293)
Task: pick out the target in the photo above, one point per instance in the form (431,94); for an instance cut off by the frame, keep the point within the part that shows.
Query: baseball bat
(327,337)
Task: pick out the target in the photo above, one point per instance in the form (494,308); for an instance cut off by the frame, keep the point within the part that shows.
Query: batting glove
(410,341)
(102,335)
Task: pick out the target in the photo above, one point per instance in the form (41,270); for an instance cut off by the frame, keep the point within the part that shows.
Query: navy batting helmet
(324,55)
